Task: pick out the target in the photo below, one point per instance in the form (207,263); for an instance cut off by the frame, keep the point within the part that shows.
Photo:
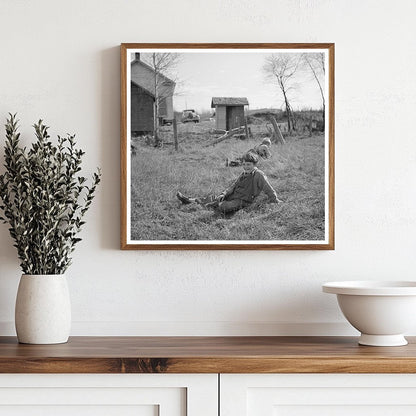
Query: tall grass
(295,170)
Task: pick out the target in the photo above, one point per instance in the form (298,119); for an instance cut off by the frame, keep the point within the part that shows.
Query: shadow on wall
(109,96)
(9,279)
(265,318)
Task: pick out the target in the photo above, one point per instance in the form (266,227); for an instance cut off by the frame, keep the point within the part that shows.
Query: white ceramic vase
(43,309)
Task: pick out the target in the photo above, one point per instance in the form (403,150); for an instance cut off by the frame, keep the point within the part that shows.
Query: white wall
(60,61)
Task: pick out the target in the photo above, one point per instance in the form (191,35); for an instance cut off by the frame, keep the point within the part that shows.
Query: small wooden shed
(229,111)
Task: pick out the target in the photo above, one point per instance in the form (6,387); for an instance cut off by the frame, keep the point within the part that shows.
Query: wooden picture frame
(301,170)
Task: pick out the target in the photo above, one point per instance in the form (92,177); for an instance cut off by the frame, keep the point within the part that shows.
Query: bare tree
(162,63)
(281,68)
(315,62)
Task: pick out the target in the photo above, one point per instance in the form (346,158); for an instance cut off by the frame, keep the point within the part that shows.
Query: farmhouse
(229,111)
(143,93)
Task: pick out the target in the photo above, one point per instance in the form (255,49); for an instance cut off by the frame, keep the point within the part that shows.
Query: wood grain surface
(206,355)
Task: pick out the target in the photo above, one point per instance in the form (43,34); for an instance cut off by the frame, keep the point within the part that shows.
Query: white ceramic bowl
(381,311)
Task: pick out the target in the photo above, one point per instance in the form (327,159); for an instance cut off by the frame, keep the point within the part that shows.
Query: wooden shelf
(206,355)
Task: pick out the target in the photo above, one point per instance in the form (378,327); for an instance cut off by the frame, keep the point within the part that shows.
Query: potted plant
(44,200)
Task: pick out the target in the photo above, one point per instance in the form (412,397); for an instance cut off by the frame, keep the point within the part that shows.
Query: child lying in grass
(262,150)
(241,193)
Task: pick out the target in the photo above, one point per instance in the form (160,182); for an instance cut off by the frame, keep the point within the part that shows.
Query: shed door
(235,117)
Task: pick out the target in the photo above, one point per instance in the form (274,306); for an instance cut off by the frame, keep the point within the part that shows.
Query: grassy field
(296,171)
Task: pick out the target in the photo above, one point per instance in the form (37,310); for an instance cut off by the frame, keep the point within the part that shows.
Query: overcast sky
(204,75)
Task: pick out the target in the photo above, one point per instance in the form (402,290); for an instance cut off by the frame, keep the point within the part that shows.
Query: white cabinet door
(318,394)
(109,395)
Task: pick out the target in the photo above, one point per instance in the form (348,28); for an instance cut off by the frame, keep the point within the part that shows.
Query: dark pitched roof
(142,75)
(139,61)
(228,101)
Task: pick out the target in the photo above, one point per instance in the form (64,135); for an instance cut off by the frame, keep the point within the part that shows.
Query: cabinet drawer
(318,394)
(108,395)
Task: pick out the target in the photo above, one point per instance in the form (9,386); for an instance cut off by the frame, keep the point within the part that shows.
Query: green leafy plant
(44,198)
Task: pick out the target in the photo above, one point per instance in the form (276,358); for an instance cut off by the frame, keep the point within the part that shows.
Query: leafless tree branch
(281,68)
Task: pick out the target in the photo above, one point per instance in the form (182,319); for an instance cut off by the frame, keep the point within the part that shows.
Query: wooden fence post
(245,125)
(175,134)
(278,133)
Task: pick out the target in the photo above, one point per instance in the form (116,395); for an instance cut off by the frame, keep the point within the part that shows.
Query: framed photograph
(227,146)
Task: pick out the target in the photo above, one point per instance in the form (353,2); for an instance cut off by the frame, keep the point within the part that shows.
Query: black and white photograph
(227,147)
